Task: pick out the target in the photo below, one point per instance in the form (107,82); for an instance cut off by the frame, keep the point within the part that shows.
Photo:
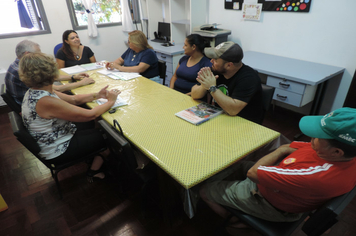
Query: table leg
(171,204)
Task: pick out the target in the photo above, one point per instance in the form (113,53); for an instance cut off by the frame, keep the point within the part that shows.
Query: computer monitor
(164,29)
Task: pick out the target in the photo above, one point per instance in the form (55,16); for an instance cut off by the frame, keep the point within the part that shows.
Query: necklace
(77,54)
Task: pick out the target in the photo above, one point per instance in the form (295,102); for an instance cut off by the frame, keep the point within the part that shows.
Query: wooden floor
(104,207)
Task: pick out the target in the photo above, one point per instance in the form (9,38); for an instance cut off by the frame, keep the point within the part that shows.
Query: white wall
(109,44)
(327,35)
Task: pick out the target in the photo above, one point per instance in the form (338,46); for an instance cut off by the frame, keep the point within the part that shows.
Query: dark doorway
(350,100)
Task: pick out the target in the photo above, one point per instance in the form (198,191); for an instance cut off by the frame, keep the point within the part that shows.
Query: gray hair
(25,46)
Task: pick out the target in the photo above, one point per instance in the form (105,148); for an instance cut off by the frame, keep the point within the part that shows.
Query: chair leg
(58,186)
(220,230)
(52,173)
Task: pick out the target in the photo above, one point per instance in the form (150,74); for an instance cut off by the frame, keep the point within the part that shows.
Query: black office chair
(267,95)
(118,145)
(162,67)
(319,221)
(56,48)
(10,101)
(122,152)
(30,143)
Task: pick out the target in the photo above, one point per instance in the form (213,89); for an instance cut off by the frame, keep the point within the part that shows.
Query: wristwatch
(212,89)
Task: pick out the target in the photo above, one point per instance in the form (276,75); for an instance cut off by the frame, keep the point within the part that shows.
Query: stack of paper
(119,102)
(82,68)
(73,69)
(116,74)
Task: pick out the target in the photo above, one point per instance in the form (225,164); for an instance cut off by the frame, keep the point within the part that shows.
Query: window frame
(43,18)
(74,21)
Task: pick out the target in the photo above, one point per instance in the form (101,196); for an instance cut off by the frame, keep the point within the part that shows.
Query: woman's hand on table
(86,81)
(110,66)
(104,93)
(113,66)
(112,94)
(81,76)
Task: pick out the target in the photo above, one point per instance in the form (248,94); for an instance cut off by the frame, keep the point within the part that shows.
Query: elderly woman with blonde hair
(139,57)
(50,115)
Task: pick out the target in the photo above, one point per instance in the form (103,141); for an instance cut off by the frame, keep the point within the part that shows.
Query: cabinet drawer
(287,97)
(287,85)
(168,78)
(169,67)
(164,57)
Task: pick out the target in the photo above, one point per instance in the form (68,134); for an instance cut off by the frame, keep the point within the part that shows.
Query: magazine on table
(200,113)
(119,102)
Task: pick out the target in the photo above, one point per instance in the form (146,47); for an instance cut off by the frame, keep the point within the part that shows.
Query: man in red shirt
(298,177)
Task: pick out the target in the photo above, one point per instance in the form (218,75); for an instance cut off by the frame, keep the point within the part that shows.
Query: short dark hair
(349,151)
(197,40)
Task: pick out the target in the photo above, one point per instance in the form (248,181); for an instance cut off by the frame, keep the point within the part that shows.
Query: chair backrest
(10,101)
(326,216)
(162,67)
(118,145)
(22,134)
(56,48)
(267,95)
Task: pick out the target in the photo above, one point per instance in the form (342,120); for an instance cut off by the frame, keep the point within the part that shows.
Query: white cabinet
(183,16)
(171,55)
(291,92)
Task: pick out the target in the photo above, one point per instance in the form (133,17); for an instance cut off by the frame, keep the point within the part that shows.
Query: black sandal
(91,175)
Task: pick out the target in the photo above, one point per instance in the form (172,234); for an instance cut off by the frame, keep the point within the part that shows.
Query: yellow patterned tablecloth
(188,153)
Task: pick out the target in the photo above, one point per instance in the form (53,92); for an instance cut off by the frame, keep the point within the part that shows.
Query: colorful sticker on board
(272,5)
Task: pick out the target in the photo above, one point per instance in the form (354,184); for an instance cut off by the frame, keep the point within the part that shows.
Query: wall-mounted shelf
(176,12)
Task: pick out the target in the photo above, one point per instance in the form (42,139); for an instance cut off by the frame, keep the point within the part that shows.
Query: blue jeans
(156,79)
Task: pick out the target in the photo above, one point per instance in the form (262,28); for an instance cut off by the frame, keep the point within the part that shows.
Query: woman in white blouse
(50,115)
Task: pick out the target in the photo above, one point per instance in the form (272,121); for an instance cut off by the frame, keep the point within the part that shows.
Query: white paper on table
(127,75)
(73,69)
(119,102)
(121,75)
(91,66)
(106,71)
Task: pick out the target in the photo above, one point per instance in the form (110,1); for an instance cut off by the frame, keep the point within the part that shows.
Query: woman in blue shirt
(139,57)
(189,65)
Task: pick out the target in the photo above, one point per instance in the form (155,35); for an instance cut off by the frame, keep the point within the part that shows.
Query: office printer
(212,34)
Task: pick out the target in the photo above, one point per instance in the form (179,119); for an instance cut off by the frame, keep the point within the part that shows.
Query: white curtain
(143,25)
(127,25)
(92,29)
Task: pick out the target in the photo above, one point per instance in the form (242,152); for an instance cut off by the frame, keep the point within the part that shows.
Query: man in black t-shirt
(235,87)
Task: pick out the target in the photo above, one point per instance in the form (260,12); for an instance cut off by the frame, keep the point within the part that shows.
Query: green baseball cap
(339,125)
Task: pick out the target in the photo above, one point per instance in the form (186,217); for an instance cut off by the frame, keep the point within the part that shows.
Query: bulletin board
(270,5)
